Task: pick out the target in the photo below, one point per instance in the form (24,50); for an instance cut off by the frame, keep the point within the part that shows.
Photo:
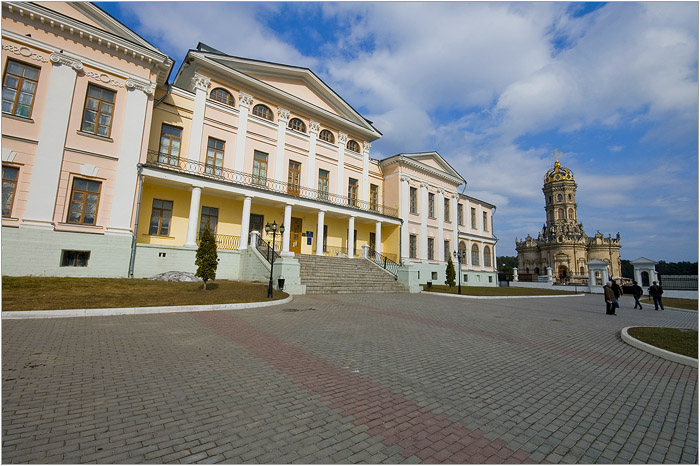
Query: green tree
(450,273)
(509,261)
(206,259)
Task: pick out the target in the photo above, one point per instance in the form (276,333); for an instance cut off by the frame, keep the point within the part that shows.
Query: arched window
(263,111)
(353,146)
(295,124)
(560,214)
(475,254)
(223,96)
(327,136)
(571,214)
(487,256)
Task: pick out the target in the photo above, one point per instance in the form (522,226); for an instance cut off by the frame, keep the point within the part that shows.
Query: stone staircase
(323,275)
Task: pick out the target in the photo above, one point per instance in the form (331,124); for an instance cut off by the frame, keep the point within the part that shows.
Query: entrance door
(373,241)
(295,236)
(325,238)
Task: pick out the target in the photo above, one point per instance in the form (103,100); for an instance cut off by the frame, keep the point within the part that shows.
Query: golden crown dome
(558,173)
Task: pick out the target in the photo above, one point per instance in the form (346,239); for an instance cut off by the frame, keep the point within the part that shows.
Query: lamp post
(272,228)
(460,256)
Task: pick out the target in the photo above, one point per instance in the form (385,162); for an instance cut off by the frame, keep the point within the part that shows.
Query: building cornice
(421,167)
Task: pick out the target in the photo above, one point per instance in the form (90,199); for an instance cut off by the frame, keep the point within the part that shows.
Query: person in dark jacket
(618,292)
(637,292)
(609,299)
(655,291)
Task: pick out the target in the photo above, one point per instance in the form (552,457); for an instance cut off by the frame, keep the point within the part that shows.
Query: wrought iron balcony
(225,175)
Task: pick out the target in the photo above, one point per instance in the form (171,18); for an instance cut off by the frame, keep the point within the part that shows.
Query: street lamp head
(267,227)
(274,226)
(282,228)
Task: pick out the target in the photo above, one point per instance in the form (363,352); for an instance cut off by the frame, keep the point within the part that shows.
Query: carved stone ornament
(200,82)
(282,114)
(25,52)
(314,126)
(342,138)
(60,59)
(367,146)
(147,88)
(405,178)
(246,99)
(103,78)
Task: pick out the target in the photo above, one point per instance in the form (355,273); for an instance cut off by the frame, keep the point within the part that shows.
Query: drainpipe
(139,168)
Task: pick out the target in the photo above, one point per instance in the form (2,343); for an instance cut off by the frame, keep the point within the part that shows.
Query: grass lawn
(680,303)
(496,291)
(42,293)
(677,340)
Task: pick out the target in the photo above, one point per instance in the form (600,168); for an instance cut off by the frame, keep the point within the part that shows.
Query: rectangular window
(447,210)
(414,200)
(431,249)
(18,89)
(74,258)
(161,213)
(259,168)
(485,221)
(10,175)
(448,253)
(209,215)
(256,223)
(474,218)
(412,246)
(294,178)
(323,183)
(170,137)
(85,198)
(373,197)
(215,157)
(431,205)
(460,214)
(99,108)
(352,192)
(433,276)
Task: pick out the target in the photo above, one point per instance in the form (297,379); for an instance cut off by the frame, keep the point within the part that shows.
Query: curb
(503,297)
(675,357)
(116,311)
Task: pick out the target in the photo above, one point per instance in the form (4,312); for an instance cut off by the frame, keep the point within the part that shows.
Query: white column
(319,232)
(131,139)
(46,172)
(282,118)
(423,221)
(199,85)
(455,224)
(287,230)
(441,225)
(244,103)
(404,213)
(378,235)
(193,219)
(340,185)
(494,263)
(245,222)
(365,171)
(311,169)
(351,236)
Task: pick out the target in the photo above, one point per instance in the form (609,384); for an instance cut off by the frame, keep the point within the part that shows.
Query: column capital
(366,146)
(245,99)
(314,126)
(342,138)
(282,114)
(405,178)
(424,185)
(200,82)
(61,59)
(146,87)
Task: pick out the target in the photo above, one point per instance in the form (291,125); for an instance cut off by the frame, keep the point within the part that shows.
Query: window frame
(413,200)
(268,115)
(169,159)
(85,202)
(460,214)
(413,246)
(431,205)
(98,111)
(330,140)
(21,79)
(446,247)
(209,216)
(485,220)
(352,146)
(431,249)
(161,210)
(373,197)
(473,217)
(294,178)
(231,102)
(259,176)
(299,128)
(75,259)
(446,210)
(324,182)
(214,168)
(475,254)
(15,182)
(487,254)
(353,188)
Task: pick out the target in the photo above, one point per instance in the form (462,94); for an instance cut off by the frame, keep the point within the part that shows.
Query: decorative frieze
(104,78)
(61,59)
(25,52)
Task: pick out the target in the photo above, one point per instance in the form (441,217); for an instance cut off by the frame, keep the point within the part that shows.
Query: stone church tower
(562,244)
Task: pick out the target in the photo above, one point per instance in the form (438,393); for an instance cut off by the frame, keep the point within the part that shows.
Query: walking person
(609,299)
(617,291)
(637,292)
(655,291)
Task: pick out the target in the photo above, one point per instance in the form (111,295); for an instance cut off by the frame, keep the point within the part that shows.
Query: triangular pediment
(435,161)
(293,83)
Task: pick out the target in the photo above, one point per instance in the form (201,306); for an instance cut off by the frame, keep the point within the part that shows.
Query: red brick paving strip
(431,437)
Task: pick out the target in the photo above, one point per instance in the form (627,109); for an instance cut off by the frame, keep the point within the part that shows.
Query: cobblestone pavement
(392,378)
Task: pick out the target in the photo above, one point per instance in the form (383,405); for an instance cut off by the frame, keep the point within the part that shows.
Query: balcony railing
(194,167)
(224,241)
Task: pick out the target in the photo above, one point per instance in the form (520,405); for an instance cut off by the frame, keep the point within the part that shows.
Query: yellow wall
(178,223)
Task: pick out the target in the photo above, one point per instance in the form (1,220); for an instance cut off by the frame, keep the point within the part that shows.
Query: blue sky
(495,88)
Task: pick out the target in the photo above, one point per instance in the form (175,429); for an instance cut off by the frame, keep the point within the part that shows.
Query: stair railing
(266,249)
(383,262)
